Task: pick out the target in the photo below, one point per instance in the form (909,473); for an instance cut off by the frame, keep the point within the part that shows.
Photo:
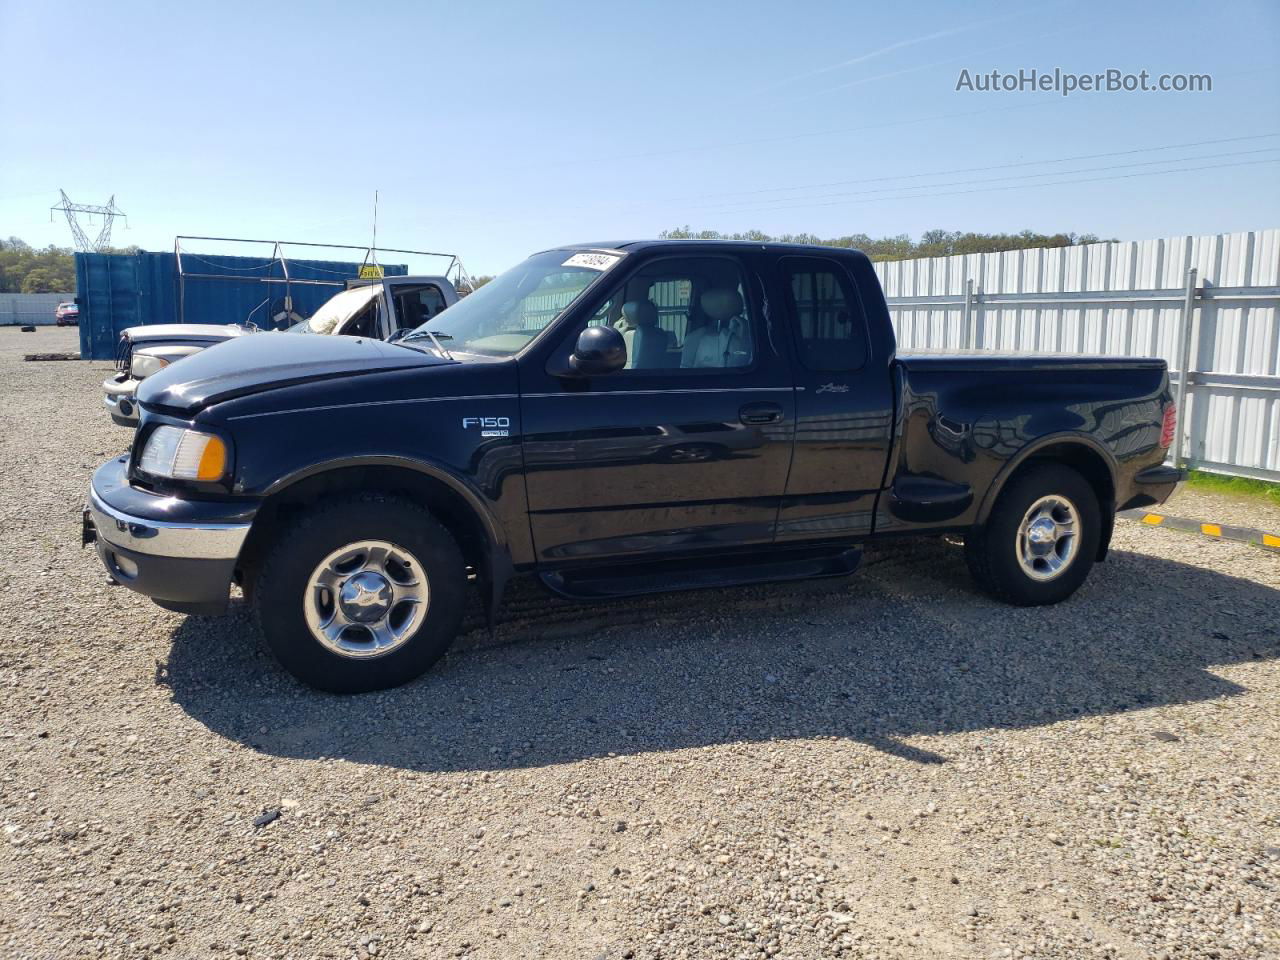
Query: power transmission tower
(108,214)
(463,279)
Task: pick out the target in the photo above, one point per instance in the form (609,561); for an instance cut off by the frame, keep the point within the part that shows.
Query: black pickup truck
(614,418)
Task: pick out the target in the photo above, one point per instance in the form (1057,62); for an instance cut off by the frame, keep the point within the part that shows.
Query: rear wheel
(361,593)
(1041,539)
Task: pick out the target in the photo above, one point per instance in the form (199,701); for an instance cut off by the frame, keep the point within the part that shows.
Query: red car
(67,314)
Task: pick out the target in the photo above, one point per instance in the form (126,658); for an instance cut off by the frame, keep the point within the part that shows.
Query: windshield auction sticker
(592,261)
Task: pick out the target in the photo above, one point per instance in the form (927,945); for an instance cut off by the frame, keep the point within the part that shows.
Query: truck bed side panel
(968,420)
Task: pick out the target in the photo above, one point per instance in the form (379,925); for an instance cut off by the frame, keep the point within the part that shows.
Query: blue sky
(495,129)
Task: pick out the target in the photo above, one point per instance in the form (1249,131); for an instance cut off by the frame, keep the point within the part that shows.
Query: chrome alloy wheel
(366,599)
(1047,537)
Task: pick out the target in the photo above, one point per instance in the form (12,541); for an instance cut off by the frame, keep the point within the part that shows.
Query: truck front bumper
(119,399)
(180,553)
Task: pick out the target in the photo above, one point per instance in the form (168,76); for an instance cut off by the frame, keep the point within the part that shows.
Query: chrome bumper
(159,538)
(120,401)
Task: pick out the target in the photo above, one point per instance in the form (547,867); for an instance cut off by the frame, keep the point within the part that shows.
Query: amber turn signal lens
(213,461)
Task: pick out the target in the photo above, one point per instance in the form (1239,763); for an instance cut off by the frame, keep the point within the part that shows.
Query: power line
(648,204)
(1024,186)
(836,131)
(997,166)
(764,204)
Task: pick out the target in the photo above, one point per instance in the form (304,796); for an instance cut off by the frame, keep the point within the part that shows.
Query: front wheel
(1041,539)
(361,593)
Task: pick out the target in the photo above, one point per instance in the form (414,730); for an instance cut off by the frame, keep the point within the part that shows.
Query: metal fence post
(1185,330)
(966,314)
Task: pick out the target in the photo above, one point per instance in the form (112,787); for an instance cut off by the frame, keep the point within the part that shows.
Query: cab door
(844,404)
(686,449)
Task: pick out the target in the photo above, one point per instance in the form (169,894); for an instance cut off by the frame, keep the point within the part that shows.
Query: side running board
(634,579)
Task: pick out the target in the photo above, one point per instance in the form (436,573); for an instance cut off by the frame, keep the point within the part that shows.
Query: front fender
(494,529)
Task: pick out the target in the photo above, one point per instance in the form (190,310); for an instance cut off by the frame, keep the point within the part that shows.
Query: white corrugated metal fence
(1212,302)
(34,308)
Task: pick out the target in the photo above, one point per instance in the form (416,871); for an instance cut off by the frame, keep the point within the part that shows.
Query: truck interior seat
(648,345)
(725,340)
(412,311)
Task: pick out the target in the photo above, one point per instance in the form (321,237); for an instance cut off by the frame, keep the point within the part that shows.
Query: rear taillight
(1169,426)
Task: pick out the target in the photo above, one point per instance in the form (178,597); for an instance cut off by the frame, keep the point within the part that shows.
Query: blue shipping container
(119,290)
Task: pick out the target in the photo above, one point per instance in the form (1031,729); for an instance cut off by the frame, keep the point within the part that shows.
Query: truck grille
(124,354)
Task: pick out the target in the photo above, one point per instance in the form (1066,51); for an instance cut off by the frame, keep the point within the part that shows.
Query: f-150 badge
(833,388)
(489,426)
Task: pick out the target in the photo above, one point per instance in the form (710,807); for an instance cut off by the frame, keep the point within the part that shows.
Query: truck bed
(966,417)
(989,360)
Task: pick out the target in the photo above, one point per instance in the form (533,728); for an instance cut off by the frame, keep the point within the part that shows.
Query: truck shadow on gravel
(905,648)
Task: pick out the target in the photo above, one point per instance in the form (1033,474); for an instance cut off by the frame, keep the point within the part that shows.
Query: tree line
(51,269)
(932,243)
(464,288)
(24,269)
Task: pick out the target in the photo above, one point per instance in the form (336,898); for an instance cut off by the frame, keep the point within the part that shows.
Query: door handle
(757,413)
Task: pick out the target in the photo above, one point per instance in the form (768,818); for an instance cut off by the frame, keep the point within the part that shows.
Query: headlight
(144,365)
(184,455)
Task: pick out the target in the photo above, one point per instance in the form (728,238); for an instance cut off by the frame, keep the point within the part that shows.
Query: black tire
(281,588)
(992,551)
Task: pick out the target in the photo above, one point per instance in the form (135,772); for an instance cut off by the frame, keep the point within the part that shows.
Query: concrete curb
(1219,531)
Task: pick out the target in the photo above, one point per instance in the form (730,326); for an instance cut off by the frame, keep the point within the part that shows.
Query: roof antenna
(374,249)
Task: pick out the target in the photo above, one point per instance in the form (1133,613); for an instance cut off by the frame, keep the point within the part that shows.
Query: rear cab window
(829,325)
(414,304)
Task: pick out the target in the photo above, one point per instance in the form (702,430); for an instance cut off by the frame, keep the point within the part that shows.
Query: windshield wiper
(435,340)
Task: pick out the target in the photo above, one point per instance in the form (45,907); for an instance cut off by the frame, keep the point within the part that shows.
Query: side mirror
(600,350)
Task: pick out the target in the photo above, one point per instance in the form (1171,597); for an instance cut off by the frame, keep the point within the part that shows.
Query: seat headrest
(721,303)
(641,313)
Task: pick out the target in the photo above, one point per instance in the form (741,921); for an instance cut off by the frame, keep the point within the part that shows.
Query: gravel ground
(889,767)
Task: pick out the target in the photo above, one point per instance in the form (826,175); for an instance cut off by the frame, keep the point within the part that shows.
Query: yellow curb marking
(1153,518)
(1212,529)
(1268,540)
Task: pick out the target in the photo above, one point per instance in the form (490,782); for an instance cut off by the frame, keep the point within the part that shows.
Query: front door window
(683,314)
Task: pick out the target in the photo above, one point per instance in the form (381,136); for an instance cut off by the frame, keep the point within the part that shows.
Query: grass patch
(1236,486)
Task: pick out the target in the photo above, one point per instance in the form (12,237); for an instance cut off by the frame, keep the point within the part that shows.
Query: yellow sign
(370,271)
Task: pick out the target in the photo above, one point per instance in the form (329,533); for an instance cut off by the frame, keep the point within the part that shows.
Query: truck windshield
(334,311)
(506,313)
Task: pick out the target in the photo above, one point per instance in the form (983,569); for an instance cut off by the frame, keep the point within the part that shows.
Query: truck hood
(249,365)
(204,332)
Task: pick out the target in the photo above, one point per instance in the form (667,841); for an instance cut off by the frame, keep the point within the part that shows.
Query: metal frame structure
(279,258)
(109,212)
